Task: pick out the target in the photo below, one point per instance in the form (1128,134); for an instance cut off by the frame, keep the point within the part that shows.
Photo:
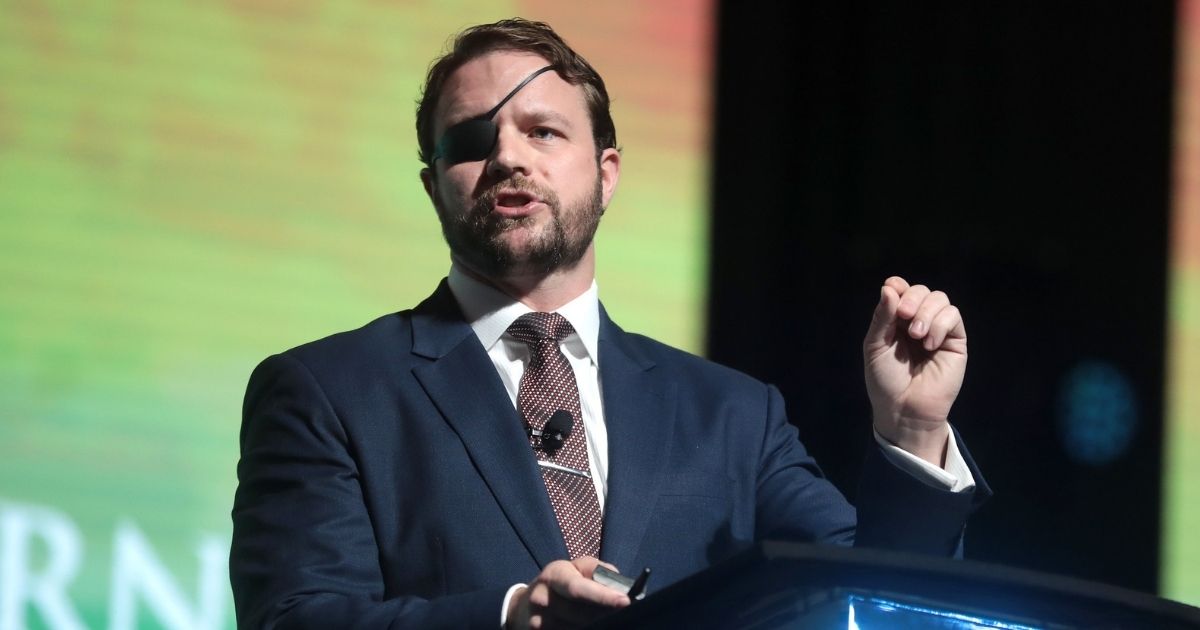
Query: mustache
(518,183)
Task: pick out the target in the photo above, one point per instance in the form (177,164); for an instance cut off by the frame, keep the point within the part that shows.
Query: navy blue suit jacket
(386,481)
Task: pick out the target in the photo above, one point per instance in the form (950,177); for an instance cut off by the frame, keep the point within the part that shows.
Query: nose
(510,156)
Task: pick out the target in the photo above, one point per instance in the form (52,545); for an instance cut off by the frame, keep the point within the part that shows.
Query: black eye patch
(468,141)
(474,139)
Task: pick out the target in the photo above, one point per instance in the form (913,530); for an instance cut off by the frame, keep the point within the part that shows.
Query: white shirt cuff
(956,477)
(512,590)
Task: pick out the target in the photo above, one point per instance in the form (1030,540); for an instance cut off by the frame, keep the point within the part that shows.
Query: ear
(429,181)
(610,172)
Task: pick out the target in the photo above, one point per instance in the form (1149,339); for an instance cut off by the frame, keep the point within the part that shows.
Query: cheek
(578,178)
(456,187)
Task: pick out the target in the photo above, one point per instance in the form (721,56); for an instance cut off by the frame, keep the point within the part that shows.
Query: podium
(793,585)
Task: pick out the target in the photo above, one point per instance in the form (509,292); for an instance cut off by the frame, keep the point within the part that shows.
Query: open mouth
(514,201)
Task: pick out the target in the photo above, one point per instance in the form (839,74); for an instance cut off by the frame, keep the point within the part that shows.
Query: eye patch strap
(492,112)
(474,138)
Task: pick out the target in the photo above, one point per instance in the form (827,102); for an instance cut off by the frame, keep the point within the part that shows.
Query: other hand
(564,595)
(914,356)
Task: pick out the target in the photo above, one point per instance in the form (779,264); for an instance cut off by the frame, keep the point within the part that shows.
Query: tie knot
(534,327)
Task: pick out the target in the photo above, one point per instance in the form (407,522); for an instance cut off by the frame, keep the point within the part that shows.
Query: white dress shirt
(491,312)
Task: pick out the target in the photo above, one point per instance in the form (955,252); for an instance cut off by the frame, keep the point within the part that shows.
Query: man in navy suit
(387,477)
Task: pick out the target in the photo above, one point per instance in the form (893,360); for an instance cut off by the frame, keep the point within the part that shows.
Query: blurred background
(188,187)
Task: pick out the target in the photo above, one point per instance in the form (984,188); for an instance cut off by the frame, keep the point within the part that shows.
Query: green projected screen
(1181,539)
(188,187)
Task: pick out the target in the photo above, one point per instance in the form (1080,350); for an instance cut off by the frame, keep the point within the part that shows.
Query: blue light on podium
(877,613)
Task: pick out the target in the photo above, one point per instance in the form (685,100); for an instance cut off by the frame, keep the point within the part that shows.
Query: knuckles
(539,595)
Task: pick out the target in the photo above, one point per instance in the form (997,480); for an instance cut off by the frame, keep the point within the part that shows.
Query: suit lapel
(463,384)
(639,414)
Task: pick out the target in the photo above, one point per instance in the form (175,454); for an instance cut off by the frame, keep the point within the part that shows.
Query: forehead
(478,85)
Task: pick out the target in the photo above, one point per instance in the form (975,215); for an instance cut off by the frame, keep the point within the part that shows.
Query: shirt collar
(490,312)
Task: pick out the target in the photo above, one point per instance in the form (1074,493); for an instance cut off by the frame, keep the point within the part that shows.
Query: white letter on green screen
(20,584)
(138,571)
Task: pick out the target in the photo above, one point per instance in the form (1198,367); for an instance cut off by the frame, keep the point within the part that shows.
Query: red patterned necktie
(548,385)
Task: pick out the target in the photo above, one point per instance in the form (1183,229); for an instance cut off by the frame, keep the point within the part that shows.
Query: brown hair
(521,35)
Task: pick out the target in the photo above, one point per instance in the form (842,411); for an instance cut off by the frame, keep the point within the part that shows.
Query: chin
(519,241)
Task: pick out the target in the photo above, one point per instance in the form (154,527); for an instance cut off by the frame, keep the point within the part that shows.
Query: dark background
(1016,157)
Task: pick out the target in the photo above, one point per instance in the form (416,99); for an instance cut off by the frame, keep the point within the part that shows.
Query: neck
(541,291)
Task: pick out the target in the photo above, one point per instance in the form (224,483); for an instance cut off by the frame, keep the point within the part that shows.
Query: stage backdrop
(187,187)
(1181,540)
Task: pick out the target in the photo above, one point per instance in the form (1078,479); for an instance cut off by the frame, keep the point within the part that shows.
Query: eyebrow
(543,114)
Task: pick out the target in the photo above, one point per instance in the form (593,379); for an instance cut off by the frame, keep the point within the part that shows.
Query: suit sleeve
(304,553)
(895,509)
(898,511)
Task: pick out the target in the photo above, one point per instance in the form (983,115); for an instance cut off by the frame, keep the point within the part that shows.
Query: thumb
(586,565)
(883,322)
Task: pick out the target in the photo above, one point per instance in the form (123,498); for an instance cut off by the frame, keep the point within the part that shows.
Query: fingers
(911,300)
(923,311)
(571,583)
(891,305)
(564,579)
(932,318)
(587,566)
(564,595)
(882,330)
(947,325)
(898,284)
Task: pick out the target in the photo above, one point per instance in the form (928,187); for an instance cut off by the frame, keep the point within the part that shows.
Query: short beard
(476,236)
